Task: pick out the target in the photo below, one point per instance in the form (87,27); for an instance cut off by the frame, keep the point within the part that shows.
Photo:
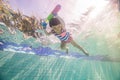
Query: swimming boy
(58,29)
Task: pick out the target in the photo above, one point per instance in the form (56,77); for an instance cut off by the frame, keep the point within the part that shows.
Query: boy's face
(57,27)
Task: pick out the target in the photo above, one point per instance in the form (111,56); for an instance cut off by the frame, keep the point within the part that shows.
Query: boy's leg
(79,47)
(63,46)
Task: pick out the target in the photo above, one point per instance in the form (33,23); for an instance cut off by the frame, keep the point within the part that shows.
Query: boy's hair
(54,22)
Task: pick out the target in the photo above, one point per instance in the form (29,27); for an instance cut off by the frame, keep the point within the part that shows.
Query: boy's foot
(67,51)
(86,53)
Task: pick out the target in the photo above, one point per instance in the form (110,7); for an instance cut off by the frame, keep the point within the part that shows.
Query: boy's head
(54,22)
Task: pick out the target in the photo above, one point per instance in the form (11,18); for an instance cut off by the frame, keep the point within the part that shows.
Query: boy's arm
(44,24)
(47,33)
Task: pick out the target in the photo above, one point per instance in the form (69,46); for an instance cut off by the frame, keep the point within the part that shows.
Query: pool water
(23,66)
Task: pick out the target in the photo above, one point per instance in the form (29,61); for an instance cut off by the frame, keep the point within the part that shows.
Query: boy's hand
(44,24)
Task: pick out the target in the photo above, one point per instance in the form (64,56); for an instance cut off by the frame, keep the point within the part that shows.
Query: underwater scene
(90,51)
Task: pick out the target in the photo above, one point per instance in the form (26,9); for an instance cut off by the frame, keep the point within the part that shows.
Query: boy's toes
(87,54)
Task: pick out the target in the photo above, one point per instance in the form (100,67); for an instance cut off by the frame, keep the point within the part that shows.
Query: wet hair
(54,22)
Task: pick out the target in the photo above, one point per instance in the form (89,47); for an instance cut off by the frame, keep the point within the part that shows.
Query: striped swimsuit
(64,36)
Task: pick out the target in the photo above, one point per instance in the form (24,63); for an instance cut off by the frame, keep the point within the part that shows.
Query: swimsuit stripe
(64,38)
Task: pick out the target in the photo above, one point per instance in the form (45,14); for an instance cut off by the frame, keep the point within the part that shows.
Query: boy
(58,29)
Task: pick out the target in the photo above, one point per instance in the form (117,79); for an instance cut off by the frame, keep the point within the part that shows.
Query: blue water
(42,62)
